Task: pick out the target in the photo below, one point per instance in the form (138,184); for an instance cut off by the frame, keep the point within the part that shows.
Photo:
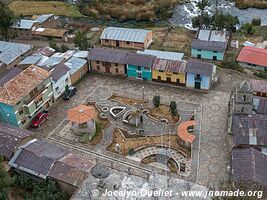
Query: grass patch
(251,4)
(27,8)
(130,9)
(176,39)
(127,144)
(163,111)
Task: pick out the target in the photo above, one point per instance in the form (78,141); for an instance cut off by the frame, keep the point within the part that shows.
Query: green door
(197,85)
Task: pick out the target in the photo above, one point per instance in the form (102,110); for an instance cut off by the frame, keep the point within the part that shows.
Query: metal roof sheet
(209,45)
(10,51)
(10,137)
(24,24)
(249,164)
(250,129)
(67,174)
(29,162)
(75,64)
(125,34)
(30,60)
(169,65)
(11,74)
(107,55)
(45,149)
(50,62)
(81,54)
(59,71)
(199,67)
(140,60)
(163,54)
(43,18)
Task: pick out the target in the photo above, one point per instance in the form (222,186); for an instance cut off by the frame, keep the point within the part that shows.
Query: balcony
(36,96)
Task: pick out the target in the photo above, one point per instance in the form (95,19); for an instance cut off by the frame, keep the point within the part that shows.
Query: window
(106,40)
(214,51)
(97,62)
(57,88)
(23,121)
(139,68)
(117,70)
(21,112)
(161,71)
(175,72)
(244,98)
(147,68)
(127,42)
(38,102)
(98,67)
(116,64)
(18,103)
(199,50)
(66,80)
(159,78)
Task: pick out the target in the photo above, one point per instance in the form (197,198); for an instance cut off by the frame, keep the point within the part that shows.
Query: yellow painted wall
(164,75)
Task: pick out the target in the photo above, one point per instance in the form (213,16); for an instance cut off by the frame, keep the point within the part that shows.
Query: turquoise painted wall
(132,72)
(190,81)
(207,54)
(7,114)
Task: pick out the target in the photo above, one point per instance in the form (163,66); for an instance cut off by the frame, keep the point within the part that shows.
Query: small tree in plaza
(156,101)
(173,108)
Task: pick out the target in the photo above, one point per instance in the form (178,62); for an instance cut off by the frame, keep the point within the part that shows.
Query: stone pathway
(171,153)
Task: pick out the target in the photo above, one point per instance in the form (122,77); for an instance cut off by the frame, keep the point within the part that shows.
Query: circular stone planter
(103,116)
(164,120)
(145,112)
(104,109)
(131,133)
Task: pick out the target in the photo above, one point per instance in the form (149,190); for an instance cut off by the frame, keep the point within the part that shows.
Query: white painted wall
(59,86)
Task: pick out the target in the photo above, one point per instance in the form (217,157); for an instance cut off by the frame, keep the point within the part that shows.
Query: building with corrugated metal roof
(11,54)
(78,68)
(126,37)
(199,74)
(210,44)
(24,28)
(169,71)
(139,66)
(109,61)
(249,166)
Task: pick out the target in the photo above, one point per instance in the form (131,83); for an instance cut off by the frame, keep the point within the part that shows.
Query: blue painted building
(140,66)
(209,45)
(200,75)
(23,94)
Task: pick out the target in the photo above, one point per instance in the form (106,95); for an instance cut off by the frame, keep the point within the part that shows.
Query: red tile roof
(253,55)
(22,84)
(183,132)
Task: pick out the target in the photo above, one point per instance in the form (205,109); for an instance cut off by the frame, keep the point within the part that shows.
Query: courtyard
(210,155)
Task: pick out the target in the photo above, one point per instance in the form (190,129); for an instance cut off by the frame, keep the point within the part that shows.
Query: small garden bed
(126,144)
(163,112)
(125,100)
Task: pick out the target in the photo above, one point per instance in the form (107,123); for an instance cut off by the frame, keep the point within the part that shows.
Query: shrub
(261,74)
(156,101)
(256,21)
(247,28)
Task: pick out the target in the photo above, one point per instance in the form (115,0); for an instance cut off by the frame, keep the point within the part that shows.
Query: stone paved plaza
(214,156)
